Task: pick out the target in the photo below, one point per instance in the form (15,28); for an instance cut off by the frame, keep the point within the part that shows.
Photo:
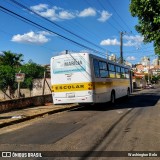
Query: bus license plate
(70,95)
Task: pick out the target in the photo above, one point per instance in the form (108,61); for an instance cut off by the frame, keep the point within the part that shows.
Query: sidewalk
(17,116)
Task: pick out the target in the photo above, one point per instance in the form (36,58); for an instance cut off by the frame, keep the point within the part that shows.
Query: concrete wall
(37,89)
(25,102)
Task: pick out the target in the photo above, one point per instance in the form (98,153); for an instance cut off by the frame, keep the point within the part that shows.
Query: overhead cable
(119,15)
(107,21)
(5,10)
(113,17)
(30,10)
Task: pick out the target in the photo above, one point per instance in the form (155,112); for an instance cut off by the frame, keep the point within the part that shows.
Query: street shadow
(134,101)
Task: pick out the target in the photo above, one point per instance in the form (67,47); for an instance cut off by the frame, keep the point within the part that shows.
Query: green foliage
(11,63)
(7,79)
(11,59)
(156,78)
(32,71)
(148,13)
(8,63)
(146,77)
(28,83)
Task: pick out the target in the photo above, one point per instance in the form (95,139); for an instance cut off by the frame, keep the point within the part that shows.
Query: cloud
(128,41)
(44,33)
(58,14)
(87,12)
(135,41)
(66,15)
(53,13)
(49,13)
(131,58)
(39,7)
(110,42)
(134,38)
(104,16)
(31,37)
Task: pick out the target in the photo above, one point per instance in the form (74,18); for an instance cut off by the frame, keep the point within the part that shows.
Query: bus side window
(118,72)
(103,69)
(96,68)
(123,73)
(127,73)
(111,70)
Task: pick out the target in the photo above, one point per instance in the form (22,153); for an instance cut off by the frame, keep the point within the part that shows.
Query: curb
(5,124)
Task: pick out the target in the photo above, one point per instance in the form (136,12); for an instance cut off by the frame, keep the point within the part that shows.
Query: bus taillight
(90,86)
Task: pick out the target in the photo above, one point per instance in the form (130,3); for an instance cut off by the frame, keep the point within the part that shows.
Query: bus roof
(92,55)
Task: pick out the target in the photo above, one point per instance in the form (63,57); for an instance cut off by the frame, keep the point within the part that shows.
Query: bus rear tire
(128,93)
(113,97)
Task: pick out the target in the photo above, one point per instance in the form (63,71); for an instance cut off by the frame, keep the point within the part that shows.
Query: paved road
(130,125)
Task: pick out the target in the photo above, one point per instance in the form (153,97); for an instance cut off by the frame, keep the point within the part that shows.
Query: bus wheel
(128,93)
(112,98)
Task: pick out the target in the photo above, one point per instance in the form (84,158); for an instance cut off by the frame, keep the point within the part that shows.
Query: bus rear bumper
(86,99)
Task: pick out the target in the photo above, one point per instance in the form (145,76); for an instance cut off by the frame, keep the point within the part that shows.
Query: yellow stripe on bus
(72,87)
(112,84)
(89,85)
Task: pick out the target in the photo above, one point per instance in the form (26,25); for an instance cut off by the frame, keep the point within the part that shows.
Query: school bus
(87,78)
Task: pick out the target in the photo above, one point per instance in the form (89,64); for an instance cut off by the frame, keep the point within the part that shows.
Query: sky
(42,29)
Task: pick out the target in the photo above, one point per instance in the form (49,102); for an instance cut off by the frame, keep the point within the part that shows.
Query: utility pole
(148,70)
(121,47)
(44,79)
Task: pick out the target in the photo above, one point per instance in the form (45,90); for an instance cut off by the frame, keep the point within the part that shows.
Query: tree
(11,59)
(32,71)
(148,13)
(155,78)
(9,63)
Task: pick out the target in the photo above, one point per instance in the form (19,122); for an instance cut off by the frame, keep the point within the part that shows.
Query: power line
(107,21)
(112,17)
(96,35)
(118,15)
(78,24)
(5,10)
(24,7)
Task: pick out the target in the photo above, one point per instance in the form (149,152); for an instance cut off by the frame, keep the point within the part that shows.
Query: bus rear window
(69,65)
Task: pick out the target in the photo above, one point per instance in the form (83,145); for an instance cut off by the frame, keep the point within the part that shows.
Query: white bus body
(86,78)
